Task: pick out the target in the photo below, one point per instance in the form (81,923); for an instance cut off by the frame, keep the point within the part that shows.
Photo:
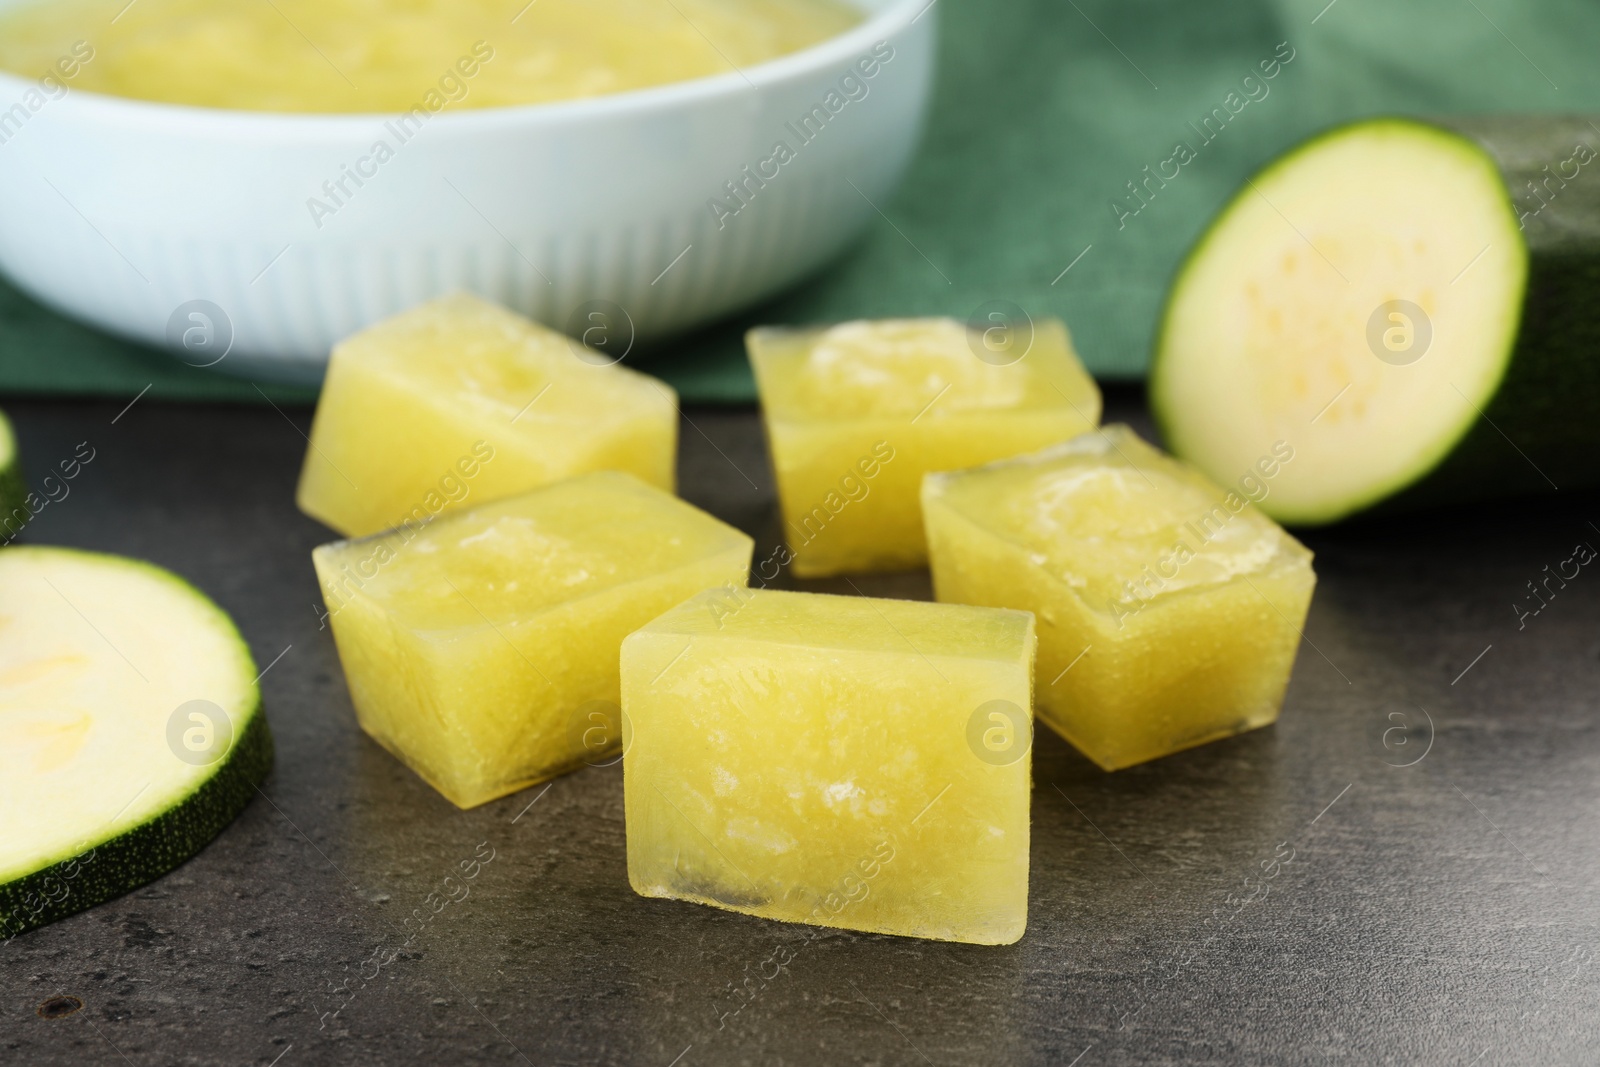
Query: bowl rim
(893,18)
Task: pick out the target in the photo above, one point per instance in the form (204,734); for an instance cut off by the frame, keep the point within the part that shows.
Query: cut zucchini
(14,509)
(1375,300)
(131,729)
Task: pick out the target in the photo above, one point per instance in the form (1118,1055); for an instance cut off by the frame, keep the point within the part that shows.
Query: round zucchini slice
(131,729)
(1376,300)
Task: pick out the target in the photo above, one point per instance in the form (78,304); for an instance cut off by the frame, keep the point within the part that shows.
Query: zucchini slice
(1407,307)
(14,509)
(131,729)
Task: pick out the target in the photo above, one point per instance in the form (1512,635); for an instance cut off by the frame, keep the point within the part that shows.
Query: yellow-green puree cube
(856,413)
(1169,609)
(840,761)
(481,648)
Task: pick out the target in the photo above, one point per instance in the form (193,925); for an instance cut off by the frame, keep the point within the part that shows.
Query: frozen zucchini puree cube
(459,402)
(856,413)
(1169,609)
(838,761)
(481,648)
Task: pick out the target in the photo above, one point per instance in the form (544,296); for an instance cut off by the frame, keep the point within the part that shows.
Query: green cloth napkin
(1043,113)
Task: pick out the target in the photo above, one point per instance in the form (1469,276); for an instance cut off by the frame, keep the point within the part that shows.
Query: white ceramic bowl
(194,228)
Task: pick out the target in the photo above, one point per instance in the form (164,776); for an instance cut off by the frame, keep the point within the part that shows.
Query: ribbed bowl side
(120,213)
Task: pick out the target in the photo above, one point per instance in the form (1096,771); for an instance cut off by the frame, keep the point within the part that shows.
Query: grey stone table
(1403,870)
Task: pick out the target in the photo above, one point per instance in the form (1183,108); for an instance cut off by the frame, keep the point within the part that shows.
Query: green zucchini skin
(1548,402)
(14,510)
(147,851)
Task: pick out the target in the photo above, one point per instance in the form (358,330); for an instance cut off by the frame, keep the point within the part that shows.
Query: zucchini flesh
(131,729)
(1279,326)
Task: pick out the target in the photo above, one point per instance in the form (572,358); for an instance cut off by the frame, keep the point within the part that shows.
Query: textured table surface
(1431,798)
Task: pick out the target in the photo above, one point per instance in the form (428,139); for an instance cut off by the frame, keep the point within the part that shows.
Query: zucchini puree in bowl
(355,56)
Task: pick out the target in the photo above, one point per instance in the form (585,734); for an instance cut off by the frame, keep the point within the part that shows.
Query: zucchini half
(1413,308)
